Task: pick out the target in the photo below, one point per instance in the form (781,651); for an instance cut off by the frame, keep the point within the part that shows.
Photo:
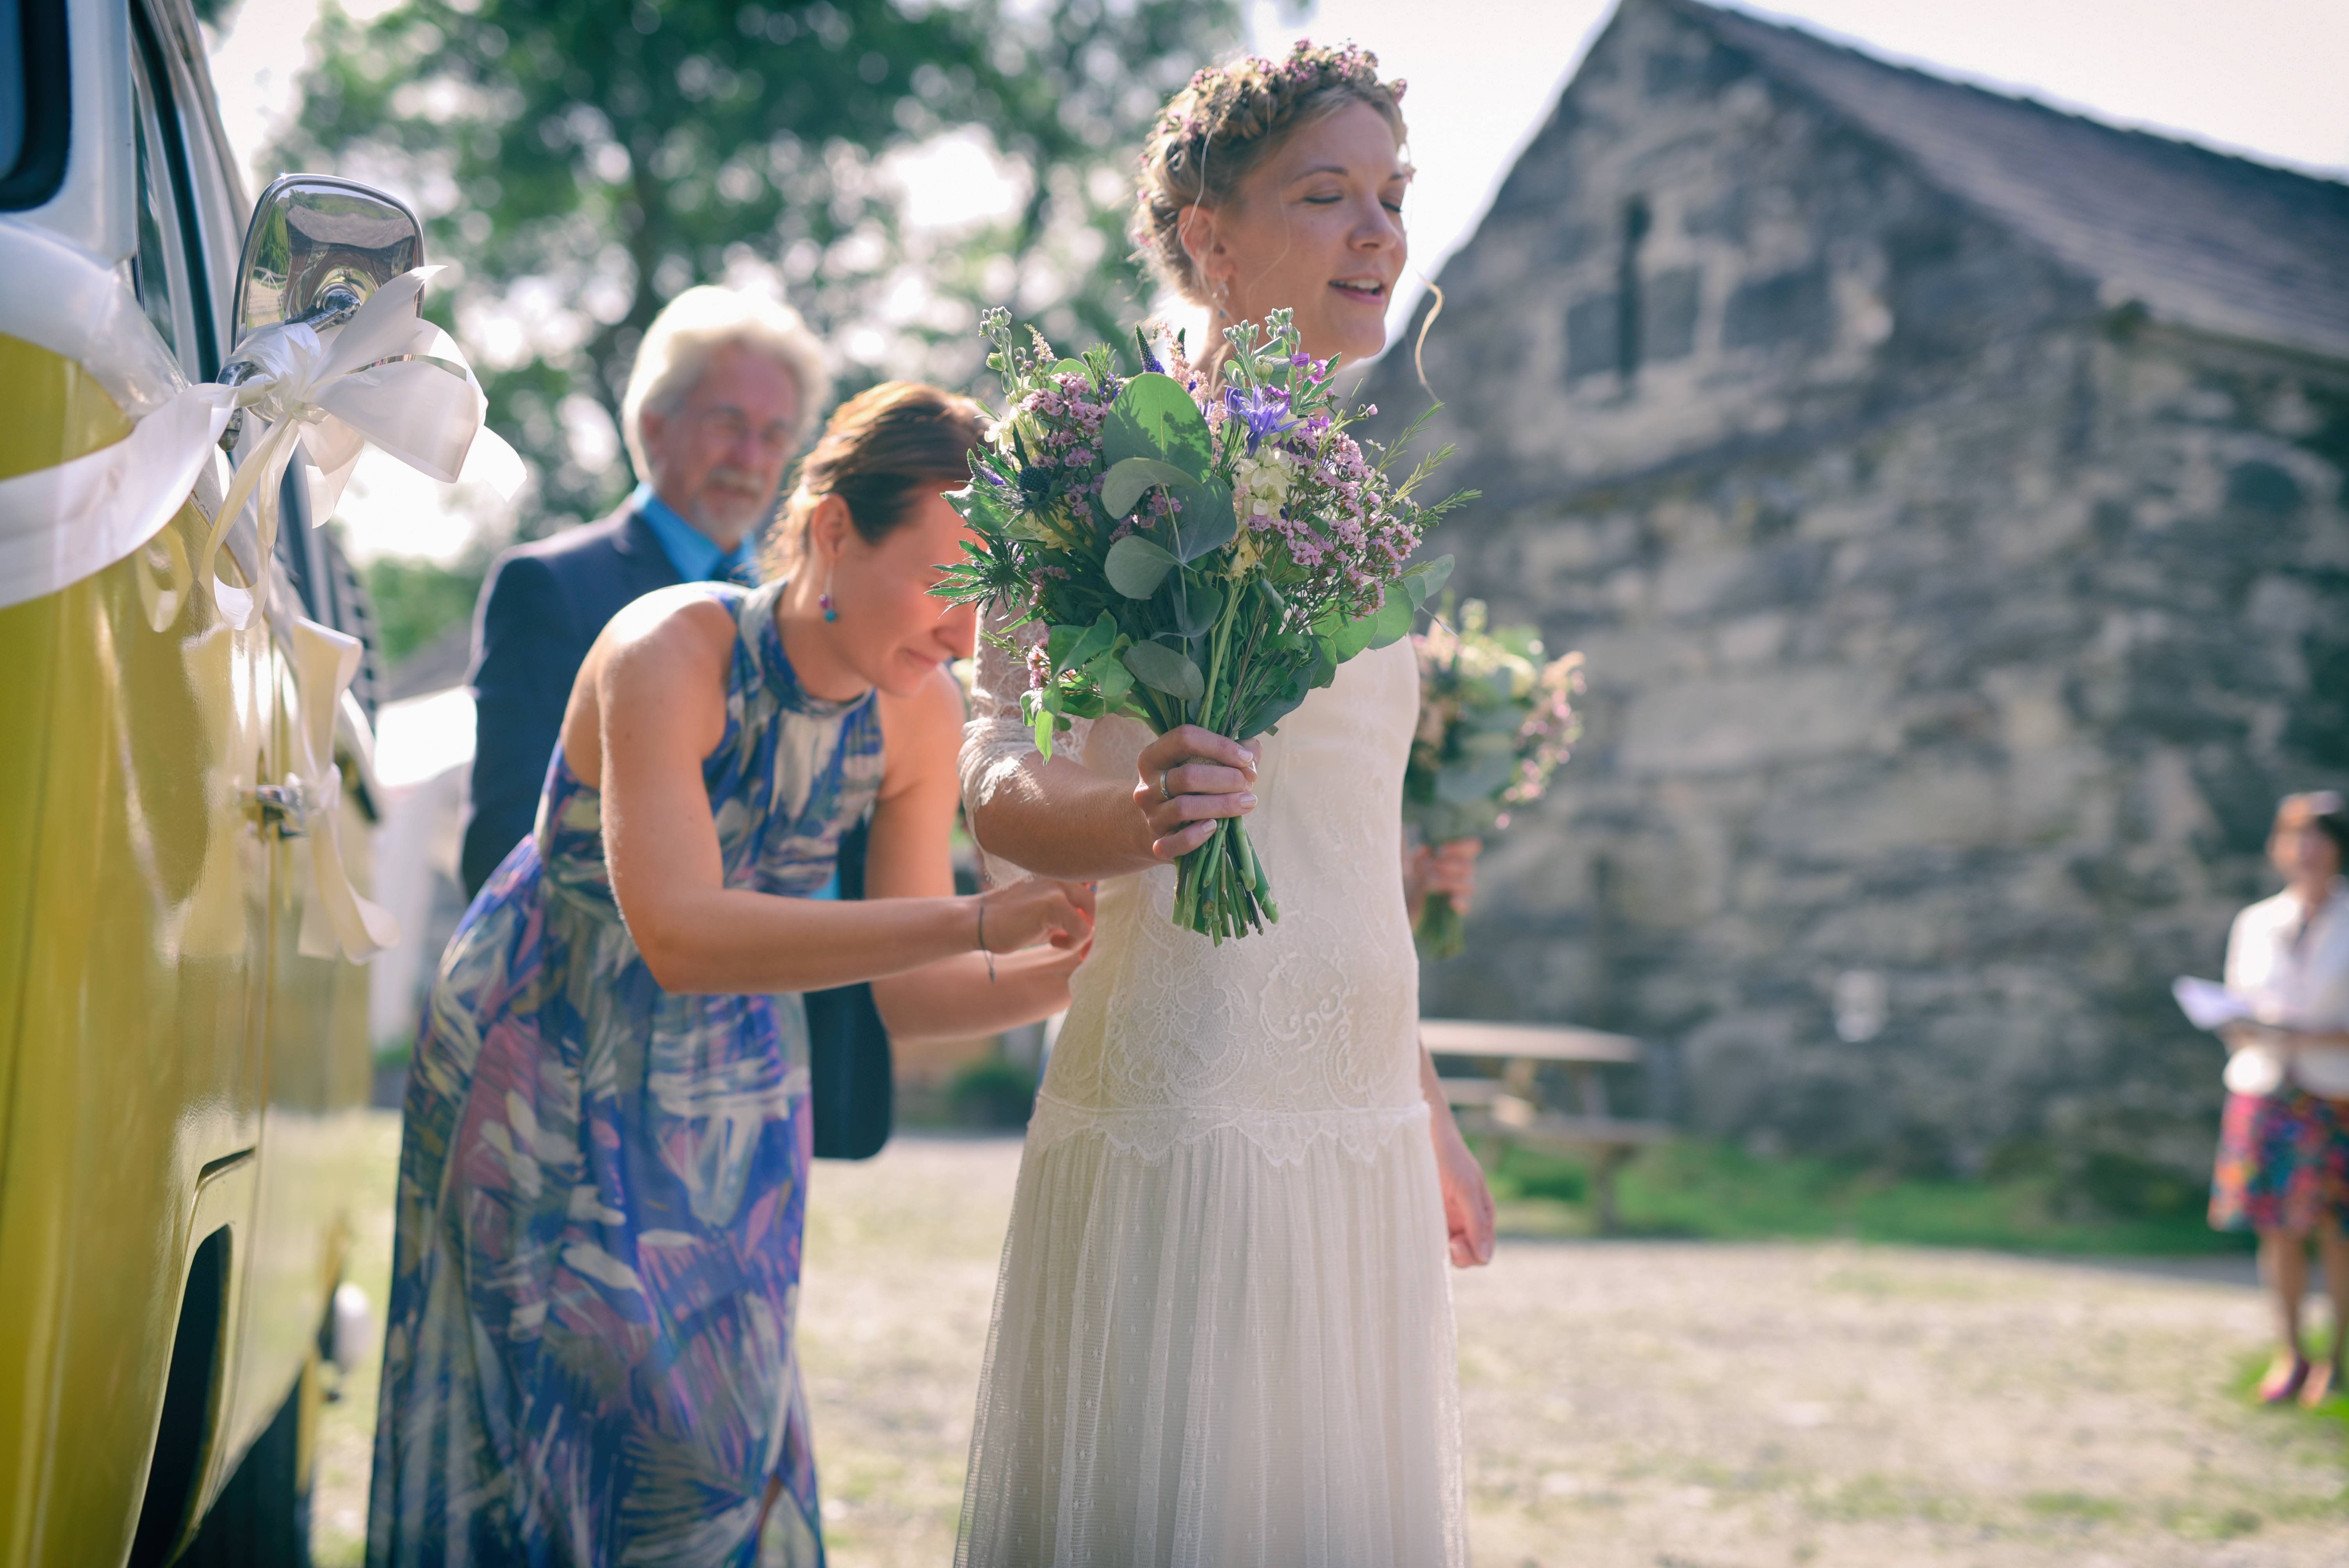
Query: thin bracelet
(982,939)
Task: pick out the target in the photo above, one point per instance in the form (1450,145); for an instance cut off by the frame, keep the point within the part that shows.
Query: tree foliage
(583,162)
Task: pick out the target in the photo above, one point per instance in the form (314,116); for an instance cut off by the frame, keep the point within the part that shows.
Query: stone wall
(1950,635)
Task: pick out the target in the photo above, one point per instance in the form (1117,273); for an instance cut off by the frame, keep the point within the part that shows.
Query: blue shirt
(694,553)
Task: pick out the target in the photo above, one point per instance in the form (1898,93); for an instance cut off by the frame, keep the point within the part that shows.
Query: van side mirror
(317,247)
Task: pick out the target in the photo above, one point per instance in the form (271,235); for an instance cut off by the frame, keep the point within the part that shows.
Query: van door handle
(283,808)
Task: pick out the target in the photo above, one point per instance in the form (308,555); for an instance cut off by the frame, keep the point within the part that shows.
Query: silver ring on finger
(1164,793)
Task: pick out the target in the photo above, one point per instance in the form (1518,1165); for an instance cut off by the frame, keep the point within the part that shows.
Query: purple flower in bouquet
(1263,409)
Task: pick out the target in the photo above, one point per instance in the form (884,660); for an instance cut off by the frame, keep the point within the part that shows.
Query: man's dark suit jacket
(541,611)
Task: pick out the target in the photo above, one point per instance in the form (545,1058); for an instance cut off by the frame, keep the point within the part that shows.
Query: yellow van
(181,1068)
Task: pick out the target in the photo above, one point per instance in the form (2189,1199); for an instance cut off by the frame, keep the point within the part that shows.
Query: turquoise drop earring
(824,601)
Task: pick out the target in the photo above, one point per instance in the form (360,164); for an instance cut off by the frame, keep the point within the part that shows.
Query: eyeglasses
(730,425)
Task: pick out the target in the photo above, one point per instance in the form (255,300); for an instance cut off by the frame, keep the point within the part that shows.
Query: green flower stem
(1441,933)
(1220,888)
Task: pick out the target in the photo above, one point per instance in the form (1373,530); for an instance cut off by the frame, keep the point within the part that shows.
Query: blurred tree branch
(581,163)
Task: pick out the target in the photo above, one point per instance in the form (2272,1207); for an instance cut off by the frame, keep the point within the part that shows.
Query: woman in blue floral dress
(589,1354)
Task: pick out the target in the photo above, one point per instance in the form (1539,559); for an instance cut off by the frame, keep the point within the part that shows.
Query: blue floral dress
(588,1355)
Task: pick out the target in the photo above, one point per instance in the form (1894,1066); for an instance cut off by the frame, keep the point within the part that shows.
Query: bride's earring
(823,599)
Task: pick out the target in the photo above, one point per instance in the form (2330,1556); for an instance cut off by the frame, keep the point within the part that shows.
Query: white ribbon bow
(325,660)
(386,378)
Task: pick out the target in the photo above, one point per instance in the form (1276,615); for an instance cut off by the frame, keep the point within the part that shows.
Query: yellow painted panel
(56,410)
(320,1072)
(138,905)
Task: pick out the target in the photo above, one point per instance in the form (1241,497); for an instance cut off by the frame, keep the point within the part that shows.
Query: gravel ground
(1667,1404)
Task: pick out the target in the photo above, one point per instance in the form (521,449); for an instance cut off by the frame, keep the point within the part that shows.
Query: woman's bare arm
(2237,1036)
(651,697)
(1059,819)
(913,823)
(1467,1198)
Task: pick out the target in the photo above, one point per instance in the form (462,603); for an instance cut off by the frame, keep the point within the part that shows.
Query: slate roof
(2203,240)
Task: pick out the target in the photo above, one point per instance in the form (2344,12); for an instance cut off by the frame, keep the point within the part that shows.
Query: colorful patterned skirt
(588,1351)
(2283,1163)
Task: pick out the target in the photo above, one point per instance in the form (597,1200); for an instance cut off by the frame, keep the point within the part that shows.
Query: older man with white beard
(724,392)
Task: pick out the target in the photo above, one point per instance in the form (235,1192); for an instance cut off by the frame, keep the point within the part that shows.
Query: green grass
(1717,1192)
(2073,1505)
(2332,1417)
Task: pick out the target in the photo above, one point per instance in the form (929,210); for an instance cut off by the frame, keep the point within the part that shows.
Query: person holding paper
(2283,1146)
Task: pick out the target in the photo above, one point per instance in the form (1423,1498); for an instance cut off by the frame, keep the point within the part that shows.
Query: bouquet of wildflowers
(1493,724)
(1199,556)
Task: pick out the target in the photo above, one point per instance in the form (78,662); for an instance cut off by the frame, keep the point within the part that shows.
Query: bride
(1223,1333)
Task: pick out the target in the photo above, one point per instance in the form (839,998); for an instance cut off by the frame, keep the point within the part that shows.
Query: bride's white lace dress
(1223,1333)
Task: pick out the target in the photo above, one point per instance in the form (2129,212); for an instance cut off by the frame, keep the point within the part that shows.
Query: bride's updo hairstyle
(881,452)
(1214,133)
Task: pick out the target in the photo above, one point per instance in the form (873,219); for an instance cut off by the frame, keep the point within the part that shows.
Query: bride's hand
(1188,779)
(1467,1200)
(1034,911)
(1449,869)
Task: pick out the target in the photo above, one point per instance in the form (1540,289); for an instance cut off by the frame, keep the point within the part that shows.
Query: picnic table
(1507,1107)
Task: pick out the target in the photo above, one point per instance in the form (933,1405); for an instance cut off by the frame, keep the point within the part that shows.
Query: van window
(210,225)
(166,275)
(12,84)
(33,102)
(153,271)
(218,210)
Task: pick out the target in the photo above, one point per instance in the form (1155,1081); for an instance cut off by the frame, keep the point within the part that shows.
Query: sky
(2258,77)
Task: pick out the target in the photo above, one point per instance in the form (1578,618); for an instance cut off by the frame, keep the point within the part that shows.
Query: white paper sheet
(2209,1005)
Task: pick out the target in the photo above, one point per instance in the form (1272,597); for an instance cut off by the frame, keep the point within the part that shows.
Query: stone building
(1948,493)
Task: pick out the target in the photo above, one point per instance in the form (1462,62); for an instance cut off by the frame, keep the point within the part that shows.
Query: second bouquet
(1201,553)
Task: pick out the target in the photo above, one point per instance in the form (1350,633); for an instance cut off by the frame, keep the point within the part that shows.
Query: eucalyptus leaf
(1153,417)
(1110,673)
(1426,580)
(1159,667)
(1393,623)
(1130,479)
(1351,637)
(1326,661)
(1268,716)
(1152,442)
(1197,602)
(1206,520)
(1278,707)
(1135,567)
(1070,367)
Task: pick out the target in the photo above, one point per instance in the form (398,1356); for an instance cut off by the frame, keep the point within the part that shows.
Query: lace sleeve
(997,744)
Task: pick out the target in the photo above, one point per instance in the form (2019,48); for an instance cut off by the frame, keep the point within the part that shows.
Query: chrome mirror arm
(337,304)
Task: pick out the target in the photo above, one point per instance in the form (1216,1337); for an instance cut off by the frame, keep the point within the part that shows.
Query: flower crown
(1219,96)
